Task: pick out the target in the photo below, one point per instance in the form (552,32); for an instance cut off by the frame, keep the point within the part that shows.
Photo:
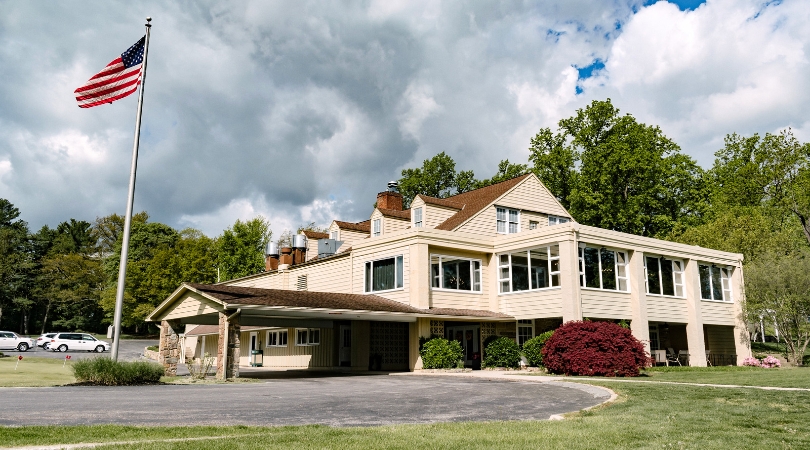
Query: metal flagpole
(122,270)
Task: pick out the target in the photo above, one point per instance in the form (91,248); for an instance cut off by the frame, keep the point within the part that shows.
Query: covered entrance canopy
(230,307)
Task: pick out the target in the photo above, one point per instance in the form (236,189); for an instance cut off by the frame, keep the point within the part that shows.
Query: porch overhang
(202,304)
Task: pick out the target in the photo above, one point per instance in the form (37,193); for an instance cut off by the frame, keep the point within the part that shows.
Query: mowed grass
(646,416)
(32,372)
(793,377)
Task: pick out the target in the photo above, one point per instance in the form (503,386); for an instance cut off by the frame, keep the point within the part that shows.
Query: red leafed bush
(594,349)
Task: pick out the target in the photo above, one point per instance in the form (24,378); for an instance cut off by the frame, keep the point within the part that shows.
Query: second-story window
(664,276)
(715,283)
(537,268)
(600,268)
(417,218)
(554,220)
(450,272)
(334,235)
(384,274)
(508,220)
(376,226)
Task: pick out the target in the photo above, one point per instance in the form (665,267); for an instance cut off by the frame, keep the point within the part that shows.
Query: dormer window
(417,218)
(334,235)
(376,227)
(508,220)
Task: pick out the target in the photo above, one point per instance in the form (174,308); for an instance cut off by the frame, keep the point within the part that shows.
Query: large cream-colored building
(505,260)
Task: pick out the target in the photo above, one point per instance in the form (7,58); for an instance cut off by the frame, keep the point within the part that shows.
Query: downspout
(227,342)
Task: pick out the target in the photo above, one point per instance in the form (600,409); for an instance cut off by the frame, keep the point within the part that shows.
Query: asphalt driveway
(328,400)
(128,350)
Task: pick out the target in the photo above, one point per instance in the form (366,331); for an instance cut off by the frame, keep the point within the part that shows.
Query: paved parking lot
(328,400)
(128,350)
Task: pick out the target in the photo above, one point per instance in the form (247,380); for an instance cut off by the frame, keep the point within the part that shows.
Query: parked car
(63,342)
(10,340)
(44,340)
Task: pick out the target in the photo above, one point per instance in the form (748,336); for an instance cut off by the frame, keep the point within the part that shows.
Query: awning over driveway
(201,304)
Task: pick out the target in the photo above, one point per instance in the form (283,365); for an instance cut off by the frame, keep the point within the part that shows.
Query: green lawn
(796,377)
(34,371)
(647,415)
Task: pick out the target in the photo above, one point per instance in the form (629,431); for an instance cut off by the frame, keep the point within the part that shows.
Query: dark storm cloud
(295,110)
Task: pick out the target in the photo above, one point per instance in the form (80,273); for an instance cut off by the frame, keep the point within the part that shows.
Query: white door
(345,346)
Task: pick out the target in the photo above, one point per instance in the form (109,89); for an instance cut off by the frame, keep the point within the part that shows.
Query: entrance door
(253,337)
(468,336)
(345,346)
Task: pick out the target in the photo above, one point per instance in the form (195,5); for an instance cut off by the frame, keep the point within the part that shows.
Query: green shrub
(153,348)
(502,352)
(533,348)
(441,354)
(106,372)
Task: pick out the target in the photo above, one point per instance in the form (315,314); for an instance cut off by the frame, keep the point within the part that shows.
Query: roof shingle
(475,201)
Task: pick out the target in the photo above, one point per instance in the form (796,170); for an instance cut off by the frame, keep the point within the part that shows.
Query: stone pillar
(228,347)
(569,279)
(694,317)
(169,347)
(639,322)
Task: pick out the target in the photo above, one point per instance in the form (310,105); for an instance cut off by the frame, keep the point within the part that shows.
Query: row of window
(539,268)
(507,221)
(303,337)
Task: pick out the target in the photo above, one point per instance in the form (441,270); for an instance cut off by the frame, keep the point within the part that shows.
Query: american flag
(120,78)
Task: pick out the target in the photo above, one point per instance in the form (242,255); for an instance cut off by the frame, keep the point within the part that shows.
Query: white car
(64,342)
(44,340)
(10,340)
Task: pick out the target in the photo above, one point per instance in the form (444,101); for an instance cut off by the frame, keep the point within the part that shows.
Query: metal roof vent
(393,186)
(299,241)
(271,249)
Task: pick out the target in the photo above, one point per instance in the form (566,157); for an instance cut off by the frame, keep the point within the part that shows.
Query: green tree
(240,249)
(771,171)
(777,287)
(630,177)
(15,263)
(436,178)
(506,171)
(107,230)
(71,287)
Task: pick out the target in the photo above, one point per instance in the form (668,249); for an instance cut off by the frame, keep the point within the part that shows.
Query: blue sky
(302,111)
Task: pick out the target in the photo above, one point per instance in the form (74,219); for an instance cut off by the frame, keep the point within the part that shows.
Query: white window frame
(677,277)
(618,268)
(334,235)
(310,340)
(557,220)
(399,284)
(439,279)
(725,283)
(654,332)
(533,224)
(417,217)
(508,264)
(522,325)
(507,220)
(376,227)
(277,338)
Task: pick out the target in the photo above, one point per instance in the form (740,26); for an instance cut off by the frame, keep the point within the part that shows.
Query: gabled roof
(364,226)
(234,295)
(443,202)
(395,213)
(315,234)
(475,201)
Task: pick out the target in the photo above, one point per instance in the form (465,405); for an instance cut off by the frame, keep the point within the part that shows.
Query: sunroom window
(664,276)
(525,270)
(384,274)
(450,272)
(600,268)
(715,283)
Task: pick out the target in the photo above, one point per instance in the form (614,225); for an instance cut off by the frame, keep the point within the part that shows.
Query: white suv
(10,340)
(63,342)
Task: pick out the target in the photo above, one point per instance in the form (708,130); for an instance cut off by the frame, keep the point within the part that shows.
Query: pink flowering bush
(770,362)
(752,362)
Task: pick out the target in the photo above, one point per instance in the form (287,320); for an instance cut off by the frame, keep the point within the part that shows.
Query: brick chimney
(390,199)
